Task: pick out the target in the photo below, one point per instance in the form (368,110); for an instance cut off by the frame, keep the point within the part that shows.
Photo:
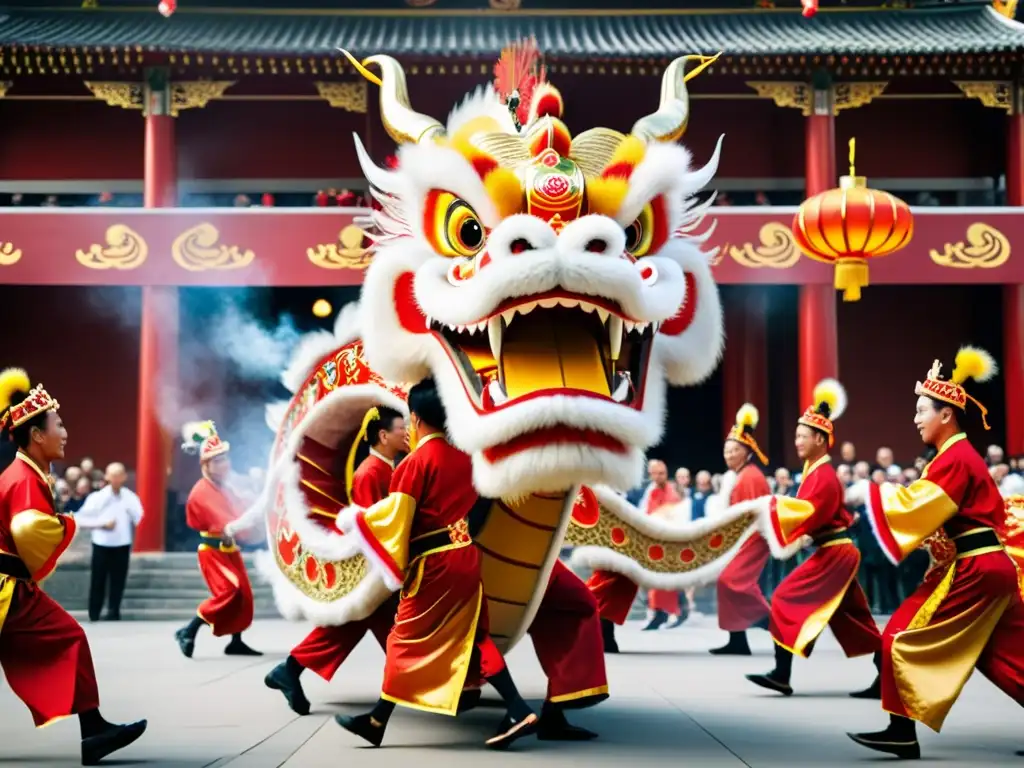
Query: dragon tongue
(538,353)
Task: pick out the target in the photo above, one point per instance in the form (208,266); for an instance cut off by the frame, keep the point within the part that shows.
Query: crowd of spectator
(886,585)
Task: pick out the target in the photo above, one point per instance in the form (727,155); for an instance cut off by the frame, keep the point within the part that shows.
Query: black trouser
(108,564)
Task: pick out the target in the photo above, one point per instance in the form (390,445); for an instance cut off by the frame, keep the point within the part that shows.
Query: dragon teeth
(494,331)
(615,336)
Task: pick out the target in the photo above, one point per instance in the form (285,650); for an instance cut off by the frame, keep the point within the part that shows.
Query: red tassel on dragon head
(552,284)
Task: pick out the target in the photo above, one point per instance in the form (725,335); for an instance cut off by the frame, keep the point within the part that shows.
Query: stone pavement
(671,703)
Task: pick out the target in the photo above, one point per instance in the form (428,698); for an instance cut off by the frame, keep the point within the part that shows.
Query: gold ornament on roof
(991,93)
(197,250)
(348,96)
(347,253)
(125,249)
(123,95)
(196,94)
(985,248)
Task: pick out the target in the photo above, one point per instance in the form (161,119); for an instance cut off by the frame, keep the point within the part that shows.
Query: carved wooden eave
(998,94)
(195,94)
(800,95)
(348,96)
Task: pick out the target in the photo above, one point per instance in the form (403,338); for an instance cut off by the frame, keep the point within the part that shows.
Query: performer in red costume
(210,509)
(741,604)
(44,652)
(968,614)
(418,540)
(326,648)
(823,590)
(615,593)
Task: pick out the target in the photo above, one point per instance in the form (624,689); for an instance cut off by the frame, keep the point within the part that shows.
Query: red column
(818,342)
(745,365)
(1013,295)
(158,337)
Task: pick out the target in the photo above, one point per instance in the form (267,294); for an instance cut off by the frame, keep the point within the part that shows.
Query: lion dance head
(552,285)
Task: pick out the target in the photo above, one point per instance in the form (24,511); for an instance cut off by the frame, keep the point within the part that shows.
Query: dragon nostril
(597,245)
(520,245)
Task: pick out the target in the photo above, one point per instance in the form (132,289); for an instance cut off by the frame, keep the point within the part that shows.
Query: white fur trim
(762,505)
(309,351)
(274,414)
(553,468)
(555,263)
(429,166)
(482,102)
(347,522)
(319,541)
(346,325)
(1012,485)
(719,502)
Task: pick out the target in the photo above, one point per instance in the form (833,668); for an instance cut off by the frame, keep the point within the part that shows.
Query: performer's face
(930,420)
(396,439)
(218,468)
(52,438)
(810,444)
(735,455)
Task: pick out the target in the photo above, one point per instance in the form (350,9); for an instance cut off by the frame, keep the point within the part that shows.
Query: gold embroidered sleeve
(40,538)
(903,517)
(384,530)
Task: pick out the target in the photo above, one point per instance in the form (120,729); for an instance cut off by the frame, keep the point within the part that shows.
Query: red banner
(302,247)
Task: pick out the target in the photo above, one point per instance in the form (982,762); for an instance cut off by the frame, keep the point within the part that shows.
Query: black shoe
(554,727)
(238,648)
(511,731)
(469,699)
(608,635)
(186,642)
(769,682)
(281,679)
(659,618)
(737,646)
(362,726)
(678,621)
(113,617)
(873,691)
(883,741)
(95,748)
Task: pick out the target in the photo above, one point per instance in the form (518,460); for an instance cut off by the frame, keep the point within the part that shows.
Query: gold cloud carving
(776,250)
(197,250)
(9,254)
(347,253)
(125,249)
(985,248)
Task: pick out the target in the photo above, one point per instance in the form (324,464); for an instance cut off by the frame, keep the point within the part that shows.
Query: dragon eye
(640,234)
(452,226)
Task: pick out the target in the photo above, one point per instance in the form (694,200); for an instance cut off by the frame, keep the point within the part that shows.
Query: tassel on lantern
(851,276)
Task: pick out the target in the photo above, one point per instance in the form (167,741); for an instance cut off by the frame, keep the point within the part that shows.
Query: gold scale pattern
(659,555)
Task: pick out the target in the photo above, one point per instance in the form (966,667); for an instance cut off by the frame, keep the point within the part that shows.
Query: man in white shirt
(113,514)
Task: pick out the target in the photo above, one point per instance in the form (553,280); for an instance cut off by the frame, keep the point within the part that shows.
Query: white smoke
(256,350)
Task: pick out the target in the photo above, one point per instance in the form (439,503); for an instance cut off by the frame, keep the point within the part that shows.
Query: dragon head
(551,284)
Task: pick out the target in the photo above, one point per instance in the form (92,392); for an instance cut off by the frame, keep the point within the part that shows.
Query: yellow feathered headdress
(37,400)
(970,363)
(829,404)
(743,431)
(201,437)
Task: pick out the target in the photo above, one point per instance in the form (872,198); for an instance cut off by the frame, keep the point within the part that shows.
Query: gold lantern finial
(853,181)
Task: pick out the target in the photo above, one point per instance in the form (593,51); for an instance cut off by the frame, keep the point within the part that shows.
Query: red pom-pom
(810,7)
(267,201)
(167,7)
(391,162)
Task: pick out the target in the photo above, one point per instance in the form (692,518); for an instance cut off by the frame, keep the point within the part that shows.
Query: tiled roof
(959,29)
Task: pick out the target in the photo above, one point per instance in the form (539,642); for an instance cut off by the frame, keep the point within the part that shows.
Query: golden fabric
(931,605)
(389,522)
(915,512)
(7,585)
(38,537)
(791,514)
(433,682)
(931,664)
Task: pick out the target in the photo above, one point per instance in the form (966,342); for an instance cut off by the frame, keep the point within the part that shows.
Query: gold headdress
(971,363)
(201,437)
(350,465)
(15,380)
(743,431)
(829,405)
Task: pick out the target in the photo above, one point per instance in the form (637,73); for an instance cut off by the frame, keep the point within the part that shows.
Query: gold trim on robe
(40,538)
(384,530)
(789,512)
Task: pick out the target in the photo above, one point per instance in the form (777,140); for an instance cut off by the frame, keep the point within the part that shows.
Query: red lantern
(167,7)
(847,226)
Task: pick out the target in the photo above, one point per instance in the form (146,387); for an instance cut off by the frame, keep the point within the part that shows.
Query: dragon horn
(669,122)
(403,124)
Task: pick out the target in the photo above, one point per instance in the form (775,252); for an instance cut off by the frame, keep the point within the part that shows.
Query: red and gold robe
(44,652)
(230,607)
(418,540)
(966,614)
(741,603)
(615,593)
(823,590)
(325,648)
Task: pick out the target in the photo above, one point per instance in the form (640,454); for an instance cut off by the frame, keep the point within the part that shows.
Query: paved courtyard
(671,703)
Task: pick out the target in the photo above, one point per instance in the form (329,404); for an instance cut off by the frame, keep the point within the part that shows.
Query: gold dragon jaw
(552,284)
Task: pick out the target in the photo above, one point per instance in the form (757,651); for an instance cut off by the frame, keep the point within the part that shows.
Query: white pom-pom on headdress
(833,394)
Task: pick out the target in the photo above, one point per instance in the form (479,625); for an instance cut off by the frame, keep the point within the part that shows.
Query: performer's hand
(109,525)
(857,494)
(806,541)
(227,541)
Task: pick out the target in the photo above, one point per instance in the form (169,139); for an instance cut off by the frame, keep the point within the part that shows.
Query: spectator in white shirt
(113,514)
